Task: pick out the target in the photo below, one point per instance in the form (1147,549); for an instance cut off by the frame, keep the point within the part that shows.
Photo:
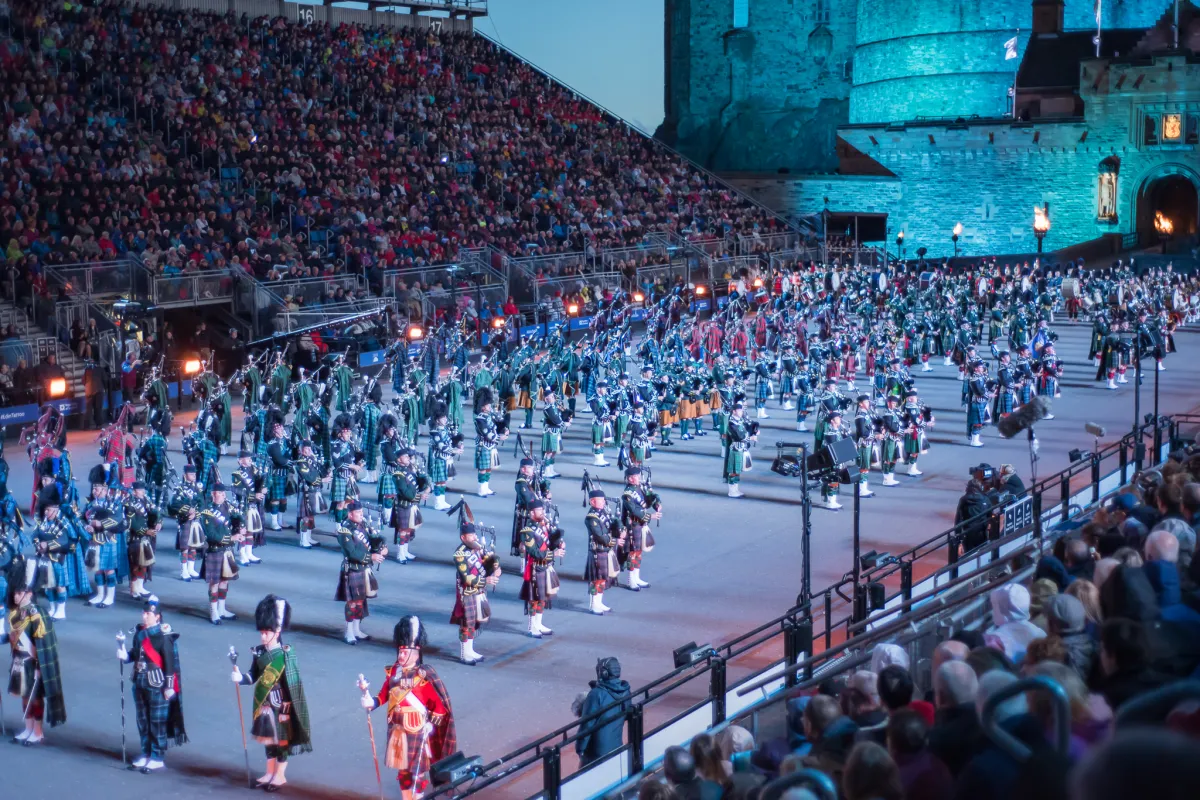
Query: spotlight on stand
(701,291)
(498,322)
(690,653)
(191,367)
(573,309)
(638,297)
(868,559)
(415,332)
(455,768)
(58,387)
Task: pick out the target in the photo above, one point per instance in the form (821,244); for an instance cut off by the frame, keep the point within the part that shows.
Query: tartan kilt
(889,451)
(638,452)
(597,432)
(541,586)
(356,585)
(734,460)
(551,441)
(216,562)
(1025,394)
(762,390)
(523,400)
(602,566)
(439,470)
(864,457)
(406,517)
(277,485)
(107,556)
(471,611)
(714,400)
(976,413)
(484,456)
(787,384)
(387,484)
(912,445)
(687,409)
(1004,404)
(340,487)
(641,538)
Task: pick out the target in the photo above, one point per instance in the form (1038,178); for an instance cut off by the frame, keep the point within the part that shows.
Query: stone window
(741,13)
(1192,132)
(1106,191)
(821,12)
(1150,129)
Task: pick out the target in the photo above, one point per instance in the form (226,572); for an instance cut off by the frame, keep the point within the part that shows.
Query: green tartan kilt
(733,463)
(597,433)
(551,441)
(387,484)
(912,446)
(723,422)
(439,470)
(483,458)
(889,451)
(620,427)
(277,485)
(339,487)
(864,457)
(639,452)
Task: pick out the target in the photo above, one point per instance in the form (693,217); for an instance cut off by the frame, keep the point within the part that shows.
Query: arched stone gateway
(1172,190)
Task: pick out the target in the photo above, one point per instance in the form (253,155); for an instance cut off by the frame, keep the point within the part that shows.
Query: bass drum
(1071,289)
(982,287)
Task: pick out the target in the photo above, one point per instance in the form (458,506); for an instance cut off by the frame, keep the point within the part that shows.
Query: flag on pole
(1010,49)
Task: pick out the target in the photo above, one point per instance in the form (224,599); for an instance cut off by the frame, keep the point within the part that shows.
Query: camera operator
(975,506)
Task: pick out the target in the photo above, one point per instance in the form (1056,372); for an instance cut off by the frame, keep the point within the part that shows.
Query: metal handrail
(1011,744)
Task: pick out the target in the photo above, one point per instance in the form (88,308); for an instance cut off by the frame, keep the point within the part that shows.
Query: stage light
(638,297)
(758,283)
(415,332)
(498,322)
(191,367)
(1078,455)
(701,291)
(58,387)
(573,309)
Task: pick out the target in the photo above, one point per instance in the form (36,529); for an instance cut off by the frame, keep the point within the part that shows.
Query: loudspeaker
(877,594)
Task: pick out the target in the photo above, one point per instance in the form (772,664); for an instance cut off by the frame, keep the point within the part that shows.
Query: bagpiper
(154,653)
(153,454)
(280,712)
(222,524)
(476,570)
(864,439)
(915,418)
(553,424)
(443,447)
(639,506)
(186,503)
(143,538)
(602,422)
(541,545)
(605,537)
(412,488)
(363,548)
(308,497)
(833,431)
(487,441)
(420,721)
(368,420)
(737,440)
(106,540)
(279,465)
(346,466)
(890,435)
(249,486)
(977,402)
(34,676)
(52,539)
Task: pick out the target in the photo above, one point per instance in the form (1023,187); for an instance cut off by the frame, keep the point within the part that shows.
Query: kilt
(912,445)
(687,409)
(523,400)
(471,610)
(439,470)
(189,535)
(889,451)
(56,577)
(976,414)
(638,452)
(484,457)
(1047,385)
(597,432)
(551,440)
(218,564)
(354,585)
(665,418)
(510,403)
(714,400)
(762,390)
(407,517)
(270,728)
(602,566)
(1025,393)
(641,539)
(107,556)
(733,463)
(864,457)
(341,488)
(1004,403)
(702,409)
(387,484)
(277,485)
(541,586)
(787,384)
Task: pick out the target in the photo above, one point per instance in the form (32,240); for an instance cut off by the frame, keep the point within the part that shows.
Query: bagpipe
(486,535)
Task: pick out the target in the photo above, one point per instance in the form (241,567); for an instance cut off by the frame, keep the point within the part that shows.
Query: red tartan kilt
(540,587)
(602,566)
(471,611)
(354,586)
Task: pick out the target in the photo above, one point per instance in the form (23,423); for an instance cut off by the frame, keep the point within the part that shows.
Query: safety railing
(93,280)
(289,320)
(755,243)
(792,646)
(319,289)
(192,288)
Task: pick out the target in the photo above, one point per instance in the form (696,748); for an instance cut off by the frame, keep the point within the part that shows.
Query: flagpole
(1099,26)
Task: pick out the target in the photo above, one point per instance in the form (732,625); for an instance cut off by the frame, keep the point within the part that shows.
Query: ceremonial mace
(362,683)
(121,663)
(233,657)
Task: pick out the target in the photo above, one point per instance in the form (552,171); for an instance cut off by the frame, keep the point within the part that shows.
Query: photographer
(974,506)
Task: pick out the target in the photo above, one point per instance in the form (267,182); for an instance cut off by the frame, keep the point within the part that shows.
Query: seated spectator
(1048,648)
(1125,666)
(680,771)
(923,775)
(1067,620)
(1091,717)
(1173,518)
(1040,592)
(707,758)
(871,774)
(734,741)
(1086,593)
(1162,570)
(654,789)
(1079,561)
(954,736)
(1011,630)
(832,735)
(860,701)
(993,773)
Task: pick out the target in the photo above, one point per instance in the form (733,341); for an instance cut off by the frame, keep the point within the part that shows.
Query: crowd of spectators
(201,141)
(1111,616)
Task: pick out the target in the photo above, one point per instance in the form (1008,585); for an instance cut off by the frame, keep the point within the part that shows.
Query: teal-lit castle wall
(903,108)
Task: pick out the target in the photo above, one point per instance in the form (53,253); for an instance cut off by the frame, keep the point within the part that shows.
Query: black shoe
(366,637)
(272,787)
(216,621)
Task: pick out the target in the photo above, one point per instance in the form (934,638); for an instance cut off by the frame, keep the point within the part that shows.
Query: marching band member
(602,423)
(154,653)
(553,424)
(35,675)
(308,498)
(639,505)
(864,437)
(476,570)
(362,549)
(737,442)
(487,440)
(279,463)
(541,545)
(412,487)
(186,503)
(605,536)
(442,450)
(889,443)
(345,468)
(222,525)
(249,486)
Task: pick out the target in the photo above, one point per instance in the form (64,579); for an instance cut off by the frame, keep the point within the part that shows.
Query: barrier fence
(789,649)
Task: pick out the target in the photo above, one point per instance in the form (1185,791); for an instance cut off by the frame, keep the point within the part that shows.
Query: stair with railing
(35,343)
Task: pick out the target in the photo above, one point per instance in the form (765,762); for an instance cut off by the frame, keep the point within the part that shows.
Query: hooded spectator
(860,700)
(1011,630)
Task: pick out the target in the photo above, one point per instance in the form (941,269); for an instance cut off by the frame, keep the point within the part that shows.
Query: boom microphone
(1094,429)
(1024,417)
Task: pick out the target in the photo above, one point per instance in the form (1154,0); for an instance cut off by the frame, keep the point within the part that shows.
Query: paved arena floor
(721,567)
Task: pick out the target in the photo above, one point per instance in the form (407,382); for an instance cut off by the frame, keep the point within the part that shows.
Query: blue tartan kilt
(879,382)
(387,484)
(976,413)
(1047,387)
(483,458)
(551,441)
(277,485)
(803,404)
(1004,404)
(1026,393)
(762,390)
(787,384)
(107,557)
(341,485)
(122,545)
(439,470)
